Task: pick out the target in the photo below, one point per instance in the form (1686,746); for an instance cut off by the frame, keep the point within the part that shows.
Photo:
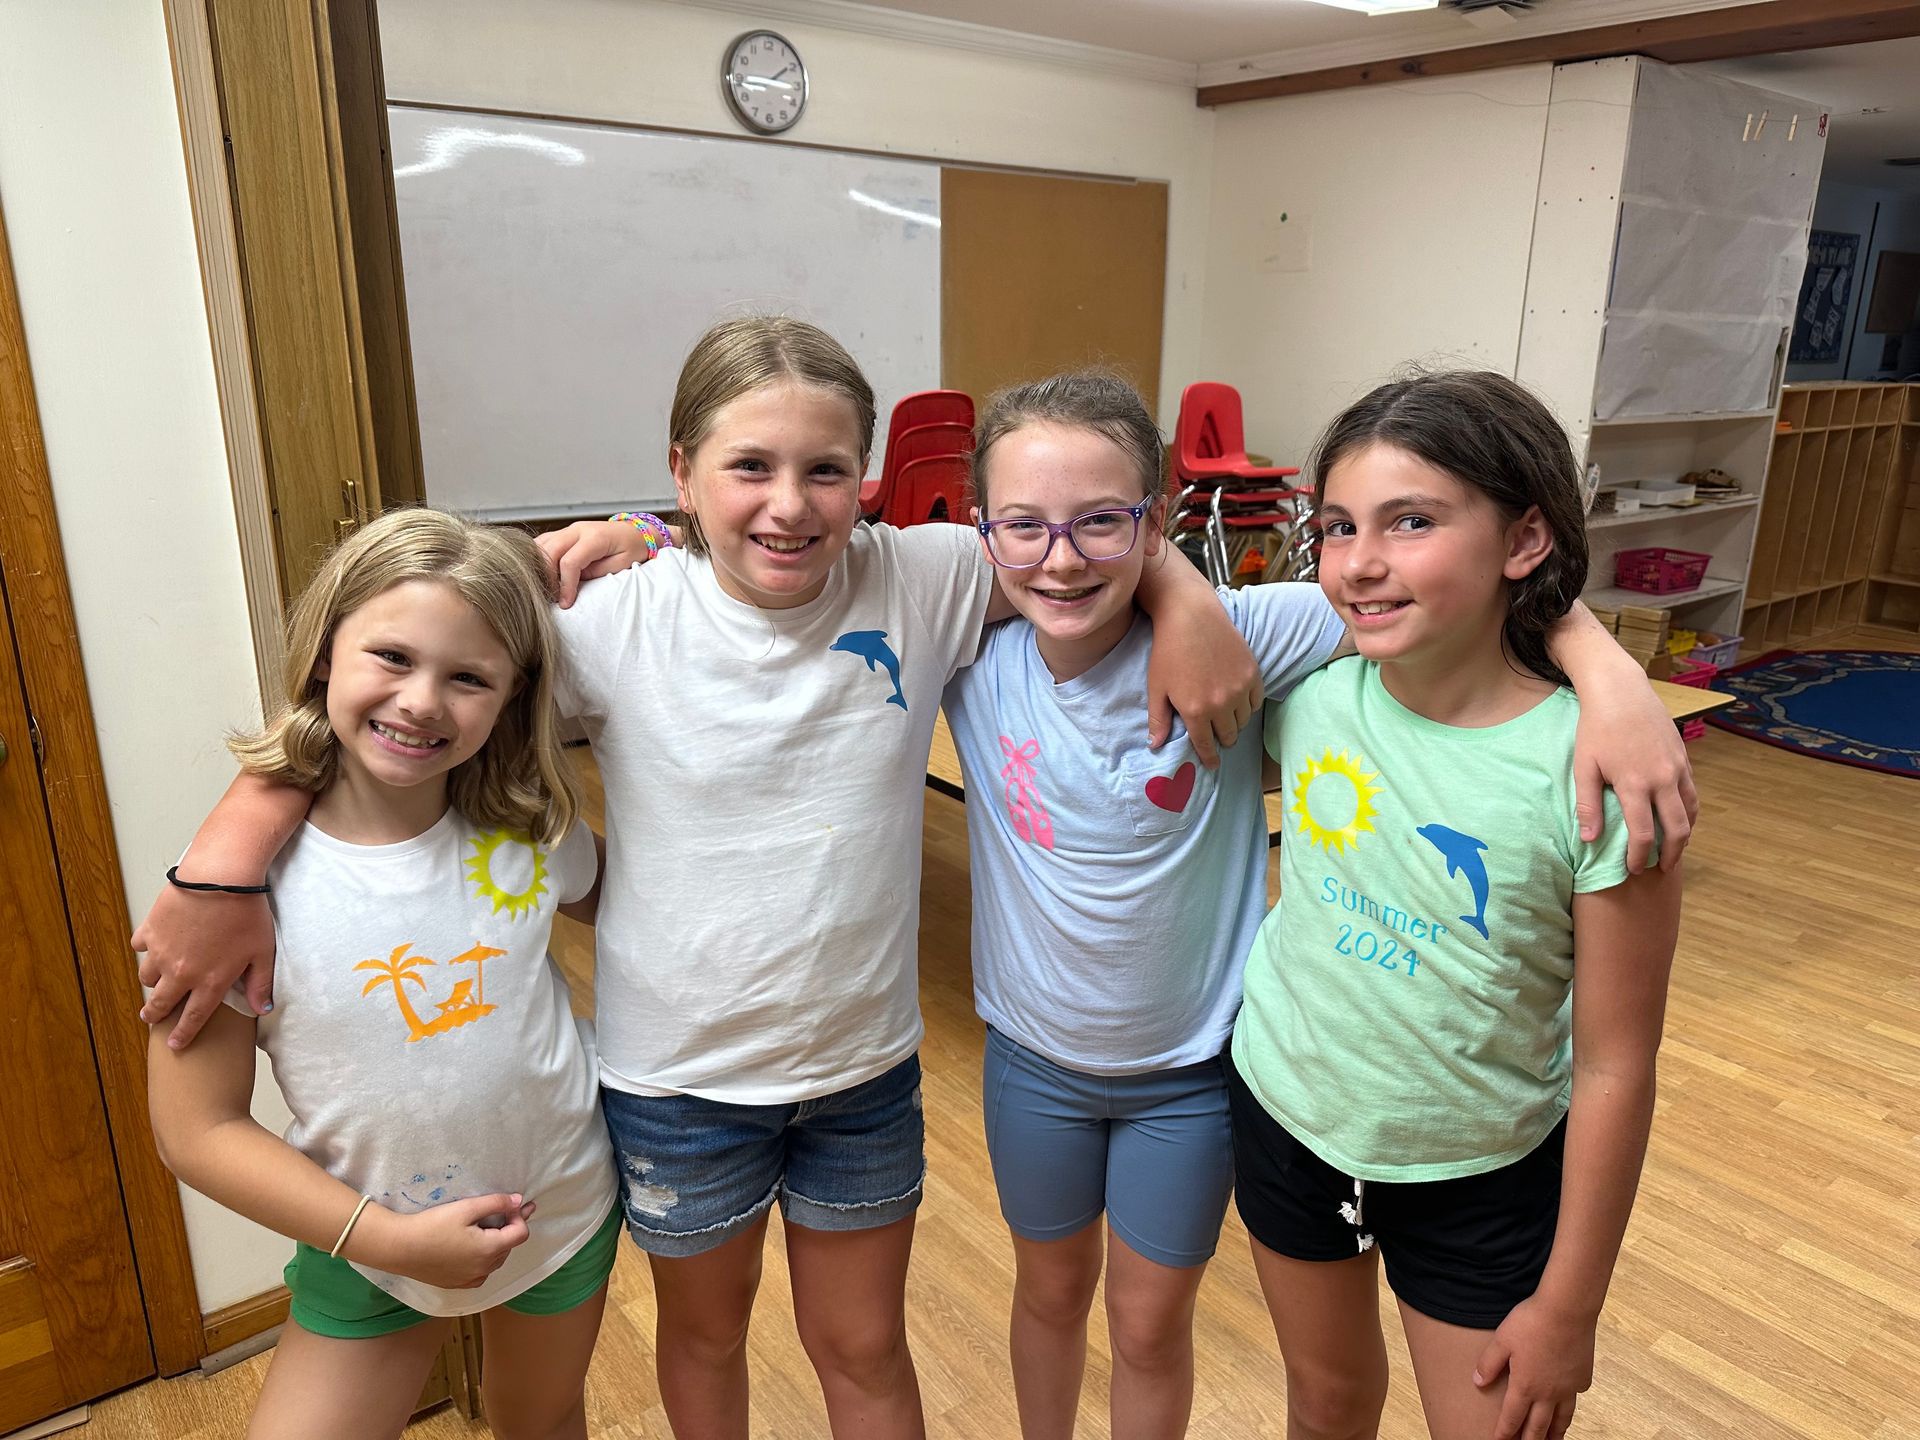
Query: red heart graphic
(1171,792)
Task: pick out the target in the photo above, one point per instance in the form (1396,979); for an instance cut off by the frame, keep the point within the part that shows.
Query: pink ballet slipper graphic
(1030,819)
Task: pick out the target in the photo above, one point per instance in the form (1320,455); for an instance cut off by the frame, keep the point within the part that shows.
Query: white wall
(1417,202)
(94,189)
(657,63)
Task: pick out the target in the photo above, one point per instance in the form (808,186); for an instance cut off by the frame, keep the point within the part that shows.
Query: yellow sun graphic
(1345,796)
(480,871)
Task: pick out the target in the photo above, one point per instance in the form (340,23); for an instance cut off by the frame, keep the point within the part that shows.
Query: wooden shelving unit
(1838,543)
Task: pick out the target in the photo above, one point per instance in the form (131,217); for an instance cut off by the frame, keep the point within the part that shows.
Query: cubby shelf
(1839,536)
(1669,512)
(1612,597)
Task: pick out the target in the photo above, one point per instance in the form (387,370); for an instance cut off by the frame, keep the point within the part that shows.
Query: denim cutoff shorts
(694,1172)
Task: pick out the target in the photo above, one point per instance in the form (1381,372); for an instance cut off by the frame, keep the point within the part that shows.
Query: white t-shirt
(423,1037)
(765,775)
(1117,890)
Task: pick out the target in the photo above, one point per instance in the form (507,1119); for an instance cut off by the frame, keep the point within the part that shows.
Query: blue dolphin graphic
(871,646)
(1463,857)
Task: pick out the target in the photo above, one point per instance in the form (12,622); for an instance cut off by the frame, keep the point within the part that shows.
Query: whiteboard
(557,273)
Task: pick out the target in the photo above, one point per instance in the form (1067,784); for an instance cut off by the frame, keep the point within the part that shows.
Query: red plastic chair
(929,490)
(931,407)
(923,408)
(1209,440)
(922,442)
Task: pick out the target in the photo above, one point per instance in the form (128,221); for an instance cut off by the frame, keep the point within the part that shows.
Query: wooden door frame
(84,847)
(283,123)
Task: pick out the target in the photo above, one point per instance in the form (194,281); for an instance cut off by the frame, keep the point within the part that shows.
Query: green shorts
(332,1298)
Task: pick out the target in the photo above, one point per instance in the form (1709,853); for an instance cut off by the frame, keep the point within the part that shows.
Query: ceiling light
(1380,7)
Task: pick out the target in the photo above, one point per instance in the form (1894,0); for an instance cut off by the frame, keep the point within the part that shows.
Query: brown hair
(518,779)
(738,356)
(1494,435)
(1091,399)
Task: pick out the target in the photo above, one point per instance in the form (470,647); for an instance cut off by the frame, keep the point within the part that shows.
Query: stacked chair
(1245,520)
(923,475)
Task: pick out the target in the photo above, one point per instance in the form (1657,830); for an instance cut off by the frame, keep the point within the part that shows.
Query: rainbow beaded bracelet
(653,530)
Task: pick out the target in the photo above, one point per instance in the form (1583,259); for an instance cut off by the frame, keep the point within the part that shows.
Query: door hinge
(355,514)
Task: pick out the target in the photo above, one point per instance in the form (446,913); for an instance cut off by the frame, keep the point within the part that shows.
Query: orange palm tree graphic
(466,1003)
(398,972)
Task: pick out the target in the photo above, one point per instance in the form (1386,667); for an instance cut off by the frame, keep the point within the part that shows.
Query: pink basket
(1697,673)
(1659,571)
(1688,671)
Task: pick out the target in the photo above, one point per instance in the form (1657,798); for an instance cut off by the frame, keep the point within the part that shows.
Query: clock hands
(764,82)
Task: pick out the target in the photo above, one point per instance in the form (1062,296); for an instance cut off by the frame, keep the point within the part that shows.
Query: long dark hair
(1493,434)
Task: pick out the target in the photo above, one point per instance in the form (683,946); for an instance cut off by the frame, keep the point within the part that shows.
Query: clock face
(764,80)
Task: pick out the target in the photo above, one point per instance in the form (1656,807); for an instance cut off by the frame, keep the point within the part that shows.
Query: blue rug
(1860,707)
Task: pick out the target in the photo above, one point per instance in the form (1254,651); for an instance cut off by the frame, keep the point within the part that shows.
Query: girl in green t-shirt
(1415,1075)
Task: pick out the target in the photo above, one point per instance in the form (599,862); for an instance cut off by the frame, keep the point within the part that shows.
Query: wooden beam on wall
(1758,29)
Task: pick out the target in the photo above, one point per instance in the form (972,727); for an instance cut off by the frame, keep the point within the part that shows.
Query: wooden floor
(1770,1285)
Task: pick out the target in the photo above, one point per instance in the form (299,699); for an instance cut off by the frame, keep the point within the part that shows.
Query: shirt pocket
(1166,790)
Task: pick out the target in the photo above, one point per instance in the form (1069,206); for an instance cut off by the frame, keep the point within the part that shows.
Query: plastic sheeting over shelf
(1715,203)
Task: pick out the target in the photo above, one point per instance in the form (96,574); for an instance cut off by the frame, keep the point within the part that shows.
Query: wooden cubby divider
(1838,540)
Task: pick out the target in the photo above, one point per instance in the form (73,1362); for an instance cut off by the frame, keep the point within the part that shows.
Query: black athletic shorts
(1463,1251)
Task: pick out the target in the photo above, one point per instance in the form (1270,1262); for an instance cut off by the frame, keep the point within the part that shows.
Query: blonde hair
(738,356)
(1102,401)
(517,780)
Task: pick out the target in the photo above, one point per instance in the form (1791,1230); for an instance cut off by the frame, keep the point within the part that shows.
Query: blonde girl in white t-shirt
(447,1154)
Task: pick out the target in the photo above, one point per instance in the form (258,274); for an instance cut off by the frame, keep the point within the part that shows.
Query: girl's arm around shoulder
(589,549)
(1627,740)
(200,1103)
(1201,665)
(1623,951)
(1291,628)
(194,945)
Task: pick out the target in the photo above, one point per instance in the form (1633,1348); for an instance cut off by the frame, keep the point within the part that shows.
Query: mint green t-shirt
(1407,1013)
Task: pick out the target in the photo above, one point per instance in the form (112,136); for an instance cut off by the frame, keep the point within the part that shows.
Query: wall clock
(765,81)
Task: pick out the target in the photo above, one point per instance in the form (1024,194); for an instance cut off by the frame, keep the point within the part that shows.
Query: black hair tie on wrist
(207,887)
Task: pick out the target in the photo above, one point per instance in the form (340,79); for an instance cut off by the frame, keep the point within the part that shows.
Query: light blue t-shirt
(1116,890)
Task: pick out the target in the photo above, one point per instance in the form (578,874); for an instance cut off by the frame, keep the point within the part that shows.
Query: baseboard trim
(245,1319)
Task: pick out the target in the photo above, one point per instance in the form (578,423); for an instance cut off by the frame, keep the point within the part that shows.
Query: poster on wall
(1826,295)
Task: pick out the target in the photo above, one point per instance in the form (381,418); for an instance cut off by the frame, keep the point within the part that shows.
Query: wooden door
(71,1323)
(1041,273)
